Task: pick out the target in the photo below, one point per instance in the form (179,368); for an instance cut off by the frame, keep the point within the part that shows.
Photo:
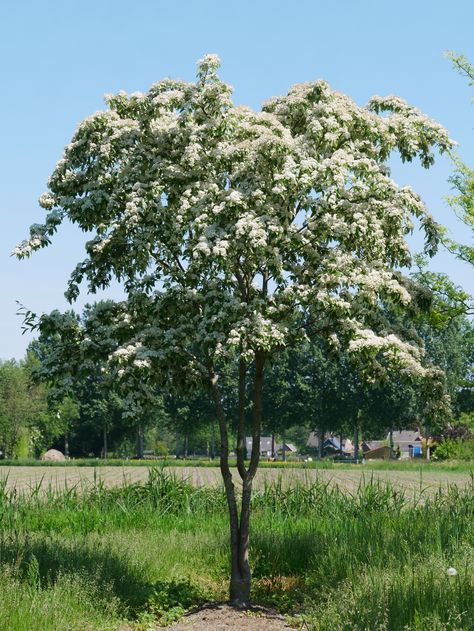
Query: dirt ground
(224,618)
(26,479)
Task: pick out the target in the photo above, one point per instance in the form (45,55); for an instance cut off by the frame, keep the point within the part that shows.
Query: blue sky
(58,58)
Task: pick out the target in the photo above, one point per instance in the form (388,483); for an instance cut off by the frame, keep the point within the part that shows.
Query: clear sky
(58,57)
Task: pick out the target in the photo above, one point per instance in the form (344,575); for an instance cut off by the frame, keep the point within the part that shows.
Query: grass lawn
(140,554)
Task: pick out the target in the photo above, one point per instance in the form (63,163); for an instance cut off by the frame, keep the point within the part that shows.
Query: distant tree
(14,405)
(327,394)
(393,405)
(343,402)
(72,352)
(282,399)
(447,333)
(191,417)
(26,425)
(462,179)
(70,357)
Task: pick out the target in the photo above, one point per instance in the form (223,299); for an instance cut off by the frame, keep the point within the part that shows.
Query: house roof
(377,451)
(330,441)
(288,447)
(405,437)
(372,444)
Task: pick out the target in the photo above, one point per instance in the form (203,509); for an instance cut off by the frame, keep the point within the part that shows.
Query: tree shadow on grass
(275,554)
(42,560)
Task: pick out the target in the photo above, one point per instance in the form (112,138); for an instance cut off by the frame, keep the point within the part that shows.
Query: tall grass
(88,557)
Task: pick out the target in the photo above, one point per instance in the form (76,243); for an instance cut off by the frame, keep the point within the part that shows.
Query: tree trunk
(273,445)
(66,445)
(356,441)
(213,440)
(140,447)
(186,445)
(240,581)
(321,444)
(241,446)
(240,575)
(235,592)
(392,451)
(105,448)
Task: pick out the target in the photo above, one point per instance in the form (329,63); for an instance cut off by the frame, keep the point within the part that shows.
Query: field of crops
(26,478)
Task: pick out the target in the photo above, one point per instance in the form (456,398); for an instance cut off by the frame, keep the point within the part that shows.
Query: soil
(219,617)
(26,479)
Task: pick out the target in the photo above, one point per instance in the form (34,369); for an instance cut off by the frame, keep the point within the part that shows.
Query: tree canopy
(223,222)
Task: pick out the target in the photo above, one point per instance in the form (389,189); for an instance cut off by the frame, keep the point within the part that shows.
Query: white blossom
(223,222)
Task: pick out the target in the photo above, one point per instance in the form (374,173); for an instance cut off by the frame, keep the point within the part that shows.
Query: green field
(90,557)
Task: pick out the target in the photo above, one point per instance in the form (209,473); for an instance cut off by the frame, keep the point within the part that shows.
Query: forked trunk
(240,575)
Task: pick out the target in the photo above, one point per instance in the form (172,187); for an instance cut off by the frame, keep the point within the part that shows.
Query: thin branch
(241,447)
(257,415)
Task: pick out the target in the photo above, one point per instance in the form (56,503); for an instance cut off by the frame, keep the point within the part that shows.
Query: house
(380,452)
(265,446)
(331,444)
(408,442)
(372,448)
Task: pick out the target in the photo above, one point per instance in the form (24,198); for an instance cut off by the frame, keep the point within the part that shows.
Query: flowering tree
(229,227)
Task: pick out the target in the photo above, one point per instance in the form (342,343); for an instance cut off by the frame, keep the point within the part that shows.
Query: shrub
(455,449)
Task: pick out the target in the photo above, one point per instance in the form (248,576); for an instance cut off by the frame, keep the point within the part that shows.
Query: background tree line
(60,395)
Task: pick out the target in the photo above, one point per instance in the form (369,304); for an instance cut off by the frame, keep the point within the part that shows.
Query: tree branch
(241,447)
(257,415)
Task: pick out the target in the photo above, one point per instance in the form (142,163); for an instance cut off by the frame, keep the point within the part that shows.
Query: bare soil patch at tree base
(221,617)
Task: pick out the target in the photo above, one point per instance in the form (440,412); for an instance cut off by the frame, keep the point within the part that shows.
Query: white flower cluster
(406,355)
(241,219)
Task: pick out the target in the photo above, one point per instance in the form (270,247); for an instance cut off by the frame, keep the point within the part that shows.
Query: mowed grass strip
(415,480)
